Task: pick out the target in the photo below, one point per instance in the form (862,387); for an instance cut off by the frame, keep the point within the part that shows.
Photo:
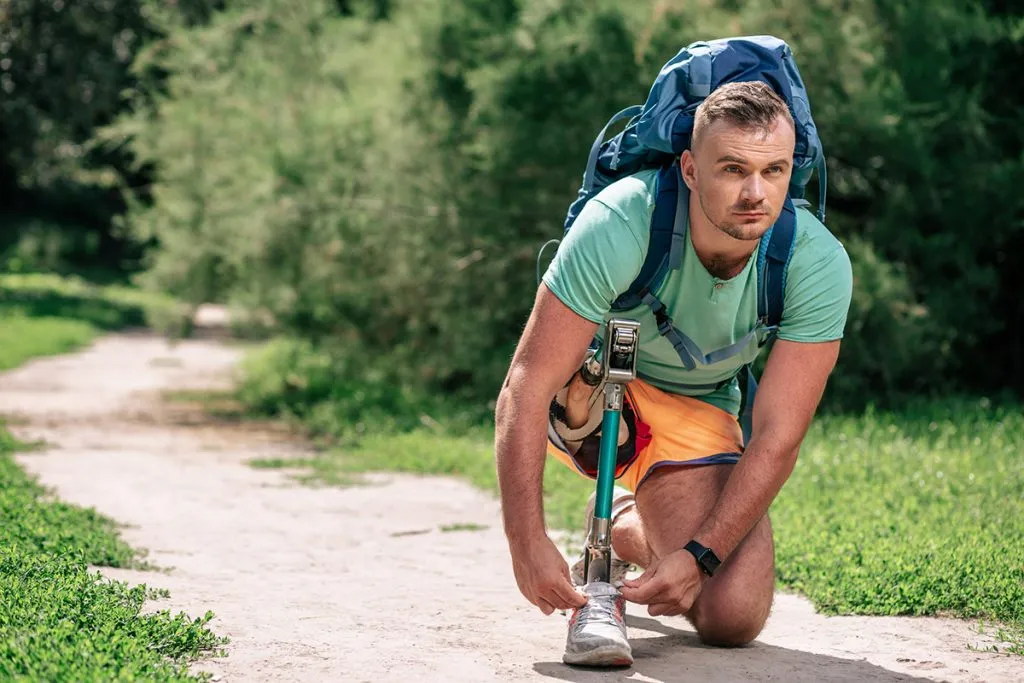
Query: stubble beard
(745,233)
(720,267)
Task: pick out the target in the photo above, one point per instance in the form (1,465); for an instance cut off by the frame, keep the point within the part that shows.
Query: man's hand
(552,347)
(543,576)
(669,587)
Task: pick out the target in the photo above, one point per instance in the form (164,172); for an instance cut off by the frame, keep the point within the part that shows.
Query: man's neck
(722,256)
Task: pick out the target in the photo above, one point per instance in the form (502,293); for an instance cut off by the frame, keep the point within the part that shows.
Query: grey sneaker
(597,631)
(622,500)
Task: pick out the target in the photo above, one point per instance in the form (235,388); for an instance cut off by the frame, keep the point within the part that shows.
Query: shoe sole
(609,655)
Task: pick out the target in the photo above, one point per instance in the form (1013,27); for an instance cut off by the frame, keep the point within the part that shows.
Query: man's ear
(688,166)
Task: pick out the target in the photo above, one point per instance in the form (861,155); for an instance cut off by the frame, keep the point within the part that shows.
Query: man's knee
(733,633)
(724,623)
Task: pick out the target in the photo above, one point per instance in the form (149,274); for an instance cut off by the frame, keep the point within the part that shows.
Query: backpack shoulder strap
(664,248)
(773,257)
(591,176)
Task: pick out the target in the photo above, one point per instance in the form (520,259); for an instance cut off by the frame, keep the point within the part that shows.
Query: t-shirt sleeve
(597,260)
(818,300)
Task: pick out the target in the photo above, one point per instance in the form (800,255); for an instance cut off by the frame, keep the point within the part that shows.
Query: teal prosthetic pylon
(621,340)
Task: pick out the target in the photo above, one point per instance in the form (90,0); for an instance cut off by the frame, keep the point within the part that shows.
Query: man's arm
(791,387)
(550,351)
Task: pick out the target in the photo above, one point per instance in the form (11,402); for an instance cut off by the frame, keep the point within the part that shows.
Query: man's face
(741,177)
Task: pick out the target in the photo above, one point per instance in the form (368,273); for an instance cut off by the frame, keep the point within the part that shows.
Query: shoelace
(598,607)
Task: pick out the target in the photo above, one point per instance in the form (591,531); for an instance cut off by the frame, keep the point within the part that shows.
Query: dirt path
(360,584)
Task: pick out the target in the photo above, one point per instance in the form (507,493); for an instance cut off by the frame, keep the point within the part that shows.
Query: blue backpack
(656,134)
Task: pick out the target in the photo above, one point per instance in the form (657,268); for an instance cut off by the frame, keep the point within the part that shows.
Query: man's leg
(671,505)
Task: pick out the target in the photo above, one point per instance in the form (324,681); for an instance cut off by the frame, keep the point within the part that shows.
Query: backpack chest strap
(690,354)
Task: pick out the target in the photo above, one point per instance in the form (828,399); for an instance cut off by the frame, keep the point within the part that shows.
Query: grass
(59,620)
(22,337)
(915,513)
(45,297)
(919,512)
(464,526)
(43,315)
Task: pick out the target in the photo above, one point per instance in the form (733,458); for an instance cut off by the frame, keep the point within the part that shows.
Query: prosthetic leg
(619,368)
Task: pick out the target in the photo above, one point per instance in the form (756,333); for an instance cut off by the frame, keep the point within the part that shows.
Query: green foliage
(922,129)
(58,620)
(64,68)
(342,396)
(256,154)
(44,246)
(62,72)
(380,176)
(892,345)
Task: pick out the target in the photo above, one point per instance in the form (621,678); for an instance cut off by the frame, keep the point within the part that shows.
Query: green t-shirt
(605,249)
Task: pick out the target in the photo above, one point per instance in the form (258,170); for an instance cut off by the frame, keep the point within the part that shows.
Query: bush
(345,395)
(385,184)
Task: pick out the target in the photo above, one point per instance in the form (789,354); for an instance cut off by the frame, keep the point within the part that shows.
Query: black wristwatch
(706,558)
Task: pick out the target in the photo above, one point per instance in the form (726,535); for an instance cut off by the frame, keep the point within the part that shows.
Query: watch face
(706,558)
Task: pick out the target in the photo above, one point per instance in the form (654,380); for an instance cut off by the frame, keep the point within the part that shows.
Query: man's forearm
(791,387)
(520,440)
(752,486)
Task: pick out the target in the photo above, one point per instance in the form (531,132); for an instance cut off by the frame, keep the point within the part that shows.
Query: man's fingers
(568,596)
(657,609)
(665,608)
(546,607)
(644,593)
(640,580)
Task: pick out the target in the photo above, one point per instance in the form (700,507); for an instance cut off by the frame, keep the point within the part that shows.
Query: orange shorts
(657,429)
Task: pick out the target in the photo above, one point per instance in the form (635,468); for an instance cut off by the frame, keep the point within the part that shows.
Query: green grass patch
(61,622)
(915,513)
(104,307)
(344,396)
(22,338)
(467,526)
(279,463)
(43,315)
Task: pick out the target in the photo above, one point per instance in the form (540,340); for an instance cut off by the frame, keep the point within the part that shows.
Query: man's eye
(733,169)
(775,170)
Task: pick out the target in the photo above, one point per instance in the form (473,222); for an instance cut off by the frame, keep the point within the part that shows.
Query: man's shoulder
(815,245)
(631,197)
(819,284)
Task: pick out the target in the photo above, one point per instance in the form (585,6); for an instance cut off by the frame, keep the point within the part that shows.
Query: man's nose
(753,189)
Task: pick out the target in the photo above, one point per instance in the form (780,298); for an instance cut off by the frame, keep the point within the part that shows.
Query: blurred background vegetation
(367,183)
(373,178)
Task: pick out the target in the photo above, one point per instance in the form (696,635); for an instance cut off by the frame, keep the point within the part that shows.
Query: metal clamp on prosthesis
(621,339)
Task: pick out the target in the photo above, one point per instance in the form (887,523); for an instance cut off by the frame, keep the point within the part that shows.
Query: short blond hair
(751,105)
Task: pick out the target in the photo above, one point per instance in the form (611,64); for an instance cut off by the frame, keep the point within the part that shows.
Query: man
(689,486)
